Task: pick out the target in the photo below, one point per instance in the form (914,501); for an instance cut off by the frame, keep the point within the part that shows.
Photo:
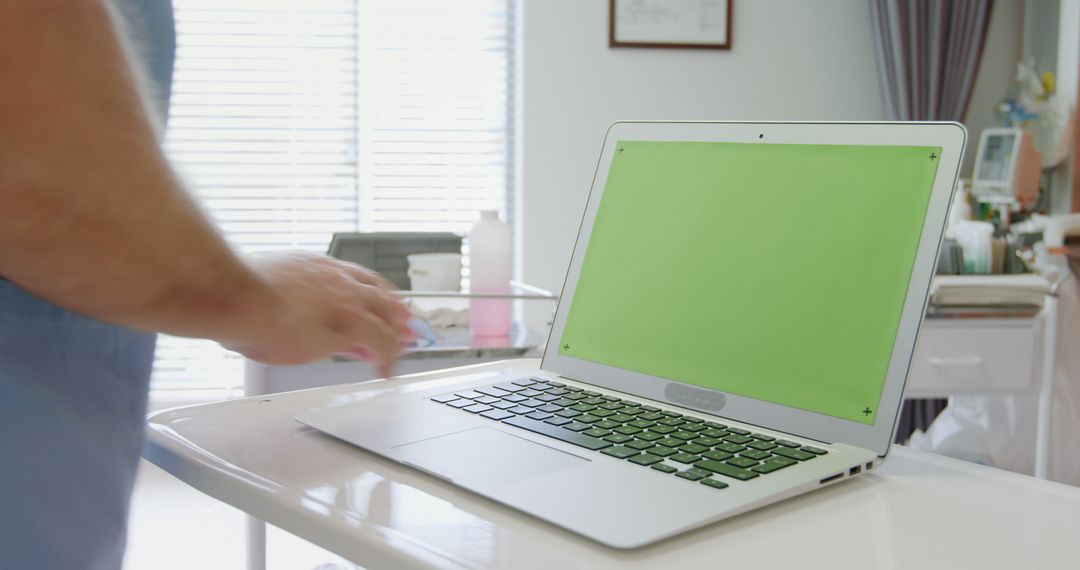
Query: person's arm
(93,218)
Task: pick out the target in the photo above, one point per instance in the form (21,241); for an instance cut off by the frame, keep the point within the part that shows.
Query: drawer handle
(960,361)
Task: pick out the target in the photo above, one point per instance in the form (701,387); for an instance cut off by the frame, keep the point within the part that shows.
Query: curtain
(928,54)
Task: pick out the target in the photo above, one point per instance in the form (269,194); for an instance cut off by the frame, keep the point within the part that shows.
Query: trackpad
(484,456)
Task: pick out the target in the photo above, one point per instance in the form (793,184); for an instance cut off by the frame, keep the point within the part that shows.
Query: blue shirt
(73,394)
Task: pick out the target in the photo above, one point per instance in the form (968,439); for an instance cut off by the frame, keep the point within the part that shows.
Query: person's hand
(310,306)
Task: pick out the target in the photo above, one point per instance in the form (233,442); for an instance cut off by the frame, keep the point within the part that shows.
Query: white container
(975,240)
(434,271)
(489,273)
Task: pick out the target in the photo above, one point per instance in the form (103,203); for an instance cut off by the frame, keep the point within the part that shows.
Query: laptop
(735,328)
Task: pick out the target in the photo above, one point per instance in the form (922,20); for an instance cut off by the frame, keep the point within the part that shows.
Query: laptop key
(497,415)
(550,408)
(597,432)
(582,408)
(563,402)
(670,442)
(557,421)
(541,416)
(715,432)
(445,398)
(693,448)
(645,459)
(572,388)
(790,453)
(606,424)
(717,455)
(618,438)
(642,424)
(766,467)
(731,448)
(663,451)
(814,450)
(515,398)
(568,413)
(715,425)
(788,443)
(493,391)
(487,400)
(743,462)
(469,394)
(542,428)
(725,469)
(649,436)
(602,413)
(690,474)
(663,429)
(664,468)
(619,451)
(575,396)
(523,382)
(576,426)
(755,454)
(739,431)
(714,483)
(639,445)
(521,410)
(547,398)
(695,427)
(532,403)
(529,393)
(762,437)
(707,441)
(650,416)
(463,403)
(739,439)
(556,384)
(672,422)
(684,435)
(683,457)
(761,445)
(477,408)
(587,419)
(558,391)
(632,410)
(620,417)
(627,430)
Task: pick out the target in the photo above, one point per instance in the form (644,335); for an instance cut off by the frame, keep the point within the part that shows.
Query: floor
(173,526)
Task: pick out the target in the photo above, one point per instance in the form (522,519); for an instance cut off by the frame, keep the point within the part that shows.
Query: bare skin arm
(93,218)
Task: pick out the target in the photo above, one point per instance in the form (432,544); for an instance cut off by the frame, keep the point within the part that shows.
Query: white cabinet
(958,356)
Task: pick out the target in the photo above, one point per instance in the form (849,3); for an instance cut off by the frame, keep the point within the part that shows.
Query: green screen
(772,271)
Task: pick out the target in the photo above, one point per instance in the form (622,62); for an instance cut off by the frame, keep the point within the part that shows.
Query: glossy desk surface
(916,511)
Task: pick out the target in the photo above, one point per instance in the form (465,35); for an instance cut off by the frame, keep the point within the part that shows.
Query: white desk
(917,511)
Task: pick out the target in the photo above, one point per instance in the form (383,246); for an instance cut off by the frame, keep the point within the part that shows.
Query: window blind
(294,120)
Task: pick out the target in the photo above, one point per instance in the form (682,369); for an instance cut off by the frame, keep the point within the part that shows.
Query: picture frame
(677,24)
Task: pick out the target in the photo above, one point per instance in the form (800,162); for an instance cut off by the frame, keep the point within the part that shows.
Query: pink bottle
(489,272)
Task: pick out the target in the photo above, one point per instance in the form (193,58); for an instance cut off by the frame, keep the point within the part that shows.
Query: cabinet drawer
(953,359)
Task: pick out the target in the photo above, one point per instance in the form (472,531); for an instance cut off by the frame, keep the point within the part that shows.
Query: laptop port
(855,470)
(831,478)
(869,465)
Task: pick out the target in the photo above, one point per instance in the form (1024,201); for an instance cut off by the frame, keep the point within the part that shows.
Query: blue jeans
(72,409)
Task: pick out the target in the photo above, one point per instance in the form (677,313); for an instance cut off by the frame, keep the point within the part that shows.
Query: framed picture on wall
(688,24)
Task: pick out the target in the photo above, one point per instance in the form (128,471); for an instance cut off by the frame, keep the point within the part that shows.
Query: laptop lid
(771,273)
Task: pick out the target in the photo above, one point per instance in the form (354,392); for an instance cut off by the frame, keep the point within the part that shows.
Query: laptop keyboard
(707,452)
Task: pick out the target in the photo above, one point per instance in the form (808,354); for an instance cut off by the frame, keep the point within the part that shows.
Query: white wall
(790,60)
